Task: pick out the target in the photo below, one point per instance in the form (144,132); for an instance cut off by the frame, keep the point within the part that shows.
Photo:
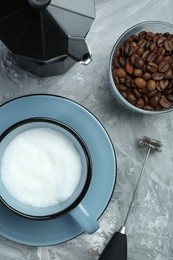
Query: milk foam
(41,167)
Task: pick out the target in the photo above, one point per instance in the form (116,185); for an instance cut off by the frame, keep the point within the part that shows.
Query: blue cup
(74,204)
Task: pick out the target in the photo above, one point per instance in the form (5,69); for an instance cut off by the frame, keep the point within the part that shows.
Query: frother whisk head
(151,143)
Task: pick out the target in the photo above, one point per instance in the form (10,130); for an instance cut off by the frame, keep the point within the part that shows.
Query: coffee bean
(161,51)
(145,98)
(157,76)
(148,107)
(140,83)
(140,103)
(116,63)
(140,51)
(168,74)
(142,70)
(136,93)
(122,61)
(152,67)
(146,76)
(160,41)
(147,46)
(162,85)
(129,67)
(153,93)
(155,38)
(163,67)
(167,35)
(121,87)
(142,42)
(151,85)
(168,46)
(142,34)
(120,72)
(164,102)
(153,47)
(153,101)
(128,49)
(133,57)
(116,80)
(159,59)
(137,72)
(145,54)
(149,36)
(134,38)
(117,53)
(131,98)
(138,62)
(151,57)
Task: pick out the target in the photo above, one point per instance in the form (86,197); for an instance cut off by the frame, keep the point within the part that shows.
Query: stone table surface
(150,225)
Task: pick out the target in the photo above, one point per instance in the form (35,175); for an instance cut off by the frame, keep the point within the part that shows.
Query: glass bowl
(149,26)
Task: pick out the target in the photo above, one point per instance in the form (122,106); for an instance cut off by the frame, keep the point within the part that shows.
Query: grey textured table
(149,227)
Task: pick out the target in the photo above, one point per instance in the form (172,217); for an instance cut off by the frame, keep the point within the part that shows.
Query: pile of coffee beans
(142,70)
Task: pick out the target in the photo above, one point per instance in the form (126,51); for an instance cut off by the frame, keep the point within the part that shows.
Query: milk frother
(116,249)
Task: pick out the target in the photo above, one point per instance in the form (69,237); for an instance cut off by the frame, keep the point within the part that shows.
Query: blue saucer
(61,229)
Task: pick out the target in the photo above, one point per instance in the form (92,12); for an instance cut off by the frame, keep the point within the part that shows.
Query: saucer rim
(113,152)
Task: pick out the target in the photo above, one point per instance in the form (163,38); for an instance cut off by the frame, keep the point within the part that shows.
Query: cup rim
(85,152)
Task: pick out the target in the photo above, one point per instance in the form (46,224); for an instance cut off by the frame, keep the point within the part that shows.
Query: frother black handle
(116,249)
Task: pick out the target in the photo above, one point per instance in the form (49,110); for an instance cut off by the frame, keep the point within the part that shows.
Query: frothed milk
(41,167)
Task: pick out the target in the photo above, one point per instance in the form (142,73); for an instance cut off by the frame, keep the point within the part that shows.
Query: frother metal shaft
(136,188)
